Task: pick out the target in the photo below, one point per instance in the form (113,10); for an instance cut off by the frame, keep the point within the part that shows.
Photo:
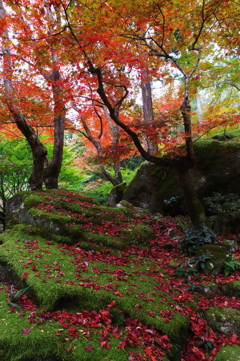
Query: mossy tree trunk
(196,210)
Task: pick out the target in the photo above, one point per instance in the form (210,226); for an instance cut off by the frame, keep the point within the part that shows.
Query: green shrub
(231,266)
(195,238)
(222,204)
(200,261)
(186,272)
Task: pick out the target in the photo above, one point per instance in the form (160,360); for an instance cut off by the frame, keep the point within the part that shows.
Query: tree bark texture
(196,210)
(148,112)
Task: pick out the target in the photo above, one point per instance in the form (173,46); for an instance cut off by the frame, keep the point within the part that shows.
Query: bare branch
(163,25)
(233,85)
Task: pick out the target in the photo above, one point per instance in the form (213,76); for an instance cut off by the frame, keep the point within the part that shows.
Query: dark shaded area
(2,220)
(7,275)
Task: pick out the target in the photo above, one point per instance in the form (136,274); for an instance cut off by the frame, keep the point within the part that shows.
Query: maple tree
(182,45)
(105,139)
(81,66)
(27,100)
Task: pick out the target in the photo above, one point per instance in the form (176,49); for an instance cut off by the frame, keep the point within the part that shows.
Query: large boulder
(217,169)
(151,187)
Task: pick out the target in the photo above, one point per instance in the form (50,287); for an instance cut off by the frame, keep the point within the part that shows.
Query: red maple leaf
(89,348)
(118,294)
(26,331)
(24,275)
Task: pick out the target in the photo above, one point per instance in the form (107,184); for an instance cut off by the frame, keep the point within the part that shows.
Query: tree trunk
(118,173)
(109,176)
(196,210)
(53,169)
(199,108)
(152,147)
(39,152)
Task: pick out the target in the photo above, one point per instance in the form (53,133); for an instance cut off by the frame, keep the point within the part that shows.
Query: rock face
(143,190)
(226,321)
(217,169)
(208,289)
(116,194)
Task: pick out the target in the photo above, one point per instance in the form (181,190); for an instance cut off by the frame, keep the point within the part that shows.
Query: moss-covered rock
(74,217)
(231,289)
(226,320)
(228,353)
(116,194)
(208,289)
(82,258)
(138,233)
(218,255)
(151,186)
(217,169)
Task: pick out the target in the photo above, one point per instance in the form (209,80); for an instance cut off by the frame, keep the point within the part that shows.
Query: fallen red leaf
(24,276)
(26,331)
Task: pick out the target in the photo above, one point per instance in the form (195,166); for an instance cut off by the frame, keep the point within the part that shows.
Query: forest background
(89,89)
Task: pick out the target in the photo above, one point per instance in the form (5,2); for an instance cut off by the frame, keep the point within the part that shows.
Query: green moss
(170,187)
(173,264)
(218,315)
(138,233)
(216,154)
(72,222)
(120,187)
(228,353)
(218,255)
(231,289)
(54,282)
(65,277)
(128,205)
(60,197)
(48,339)
(124,211)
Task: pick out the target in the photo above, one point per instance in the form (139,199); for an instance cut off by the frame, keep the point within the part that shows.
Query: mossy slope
(77,255)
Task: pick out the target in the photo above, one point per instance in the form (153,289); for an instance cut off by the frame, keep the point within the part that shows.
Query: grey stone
(231,289)
(208,289)
(226,320)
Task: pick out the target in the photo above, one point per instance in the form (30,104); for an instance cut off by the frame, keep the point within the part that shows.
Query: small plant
(205,342)
(195,238)
(186,272)
(192,286)
(171,201)
(230,266)
(13,297)
(200,261)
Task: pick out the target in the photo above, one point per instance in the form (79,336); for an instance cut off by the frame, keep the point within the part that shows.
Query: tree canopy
(91,67)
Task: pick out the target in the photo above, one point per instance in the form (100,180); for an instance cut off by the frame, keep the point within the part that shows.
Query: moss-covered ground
(102,285)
